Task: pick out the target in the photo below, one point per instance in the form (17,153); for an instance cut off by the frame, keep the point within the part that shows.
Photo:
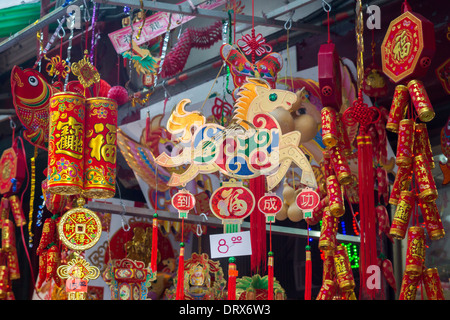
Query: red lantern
(232,203)
(183,201)
(307,200)
(270,204)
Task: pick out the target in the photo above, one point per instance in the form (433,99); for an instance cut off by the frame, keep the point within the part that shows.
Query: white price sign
(230,244)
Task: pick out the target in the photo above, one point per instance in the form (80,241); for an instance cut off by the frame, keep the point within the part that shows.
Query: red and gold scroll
(100,148)
(66,143)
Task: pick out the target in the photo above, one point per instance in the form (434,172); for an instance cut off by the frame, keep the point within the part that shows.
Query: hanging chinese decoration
(203,279)
(129,279)
(232,203)
(79,229)
(183,201)
(307,200)
(407,50)
(49,248)
(12,177)
(327,201)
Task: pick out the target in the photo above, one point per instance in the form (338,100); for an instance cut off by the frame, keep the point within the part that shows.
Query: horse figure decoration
(251,145)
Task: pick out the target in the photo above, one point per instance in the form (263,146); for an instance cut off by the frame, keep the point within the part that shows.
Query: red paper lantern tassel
(308,274)
(180,279)
(154,258)
(270,276)
(232,275)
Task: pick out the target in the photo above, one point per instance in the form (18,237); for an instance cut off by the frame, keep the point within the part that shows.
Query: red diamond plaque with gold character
(408,47)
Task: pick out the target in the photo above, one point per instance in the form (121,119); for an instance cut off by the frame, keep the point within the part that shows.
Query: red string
(328,23)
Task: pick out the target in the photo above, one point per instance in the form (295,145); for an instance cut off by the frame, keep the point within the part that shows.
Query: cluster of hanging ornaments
(407,50)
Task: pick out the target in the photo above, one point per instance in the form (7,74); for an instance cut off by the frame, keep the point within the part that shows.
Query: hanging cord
(287,27)
(91,54)
(327,8)
(69,50)
(125,226)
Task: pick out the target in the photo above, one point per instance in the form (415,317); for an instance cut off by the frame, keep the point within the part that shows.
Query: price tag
(230,244)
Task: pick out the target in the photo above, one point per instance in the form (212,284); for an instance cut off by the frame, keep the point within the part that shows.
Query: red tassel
(180,279)
(154,259)
(232,275)
(308,274)
(257,224)
(270,276)
(368,252)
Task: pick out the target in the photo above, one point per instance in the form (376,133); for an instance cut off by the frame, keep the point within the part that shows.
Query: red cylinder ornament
(8,236)
(415,251)
(432,220)
(424,179)
(334,192)
(402,182)
(328,289)
(100,148)
(327,166)
(66,143)
(421,101)
(402,215)
(343,269)
(340,165)
(433,285)
(327,239)
(422,144)
(4,282)
(329,127)
(398,108)
(408,288)
(405,143)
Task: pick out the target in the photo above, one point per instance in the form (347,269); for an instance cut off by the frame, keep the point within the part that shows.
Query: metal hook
(61,29)
(199,230)
(124,210)
(326,6)
(166,92)
(86,12)
(12,124)
(288,23)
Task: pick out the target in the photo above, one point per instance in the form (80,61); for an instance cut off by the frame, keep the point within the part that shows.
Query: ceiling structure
(306,19)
